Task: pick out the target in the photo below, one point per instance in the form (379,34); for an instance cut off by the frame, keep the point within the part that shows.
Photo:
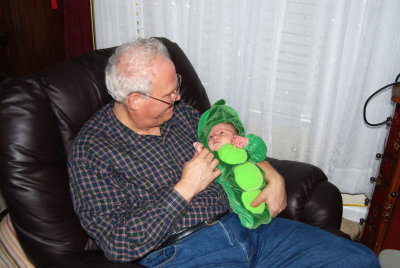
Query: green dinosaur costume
(241,178)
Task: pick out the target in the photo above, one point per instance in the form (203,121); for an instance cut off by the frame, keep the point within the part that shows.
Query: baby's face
(220,134)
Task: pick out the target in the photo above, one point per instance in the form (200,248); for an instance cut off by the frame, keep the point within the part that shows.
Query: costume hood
(218,113)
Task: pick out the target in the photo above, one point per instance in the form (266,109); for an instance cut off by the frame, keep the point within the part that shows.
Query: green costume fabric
(241,178)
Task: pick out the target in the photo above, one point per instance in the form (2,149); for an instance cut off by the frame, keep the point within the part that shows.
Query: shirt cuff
(173,201)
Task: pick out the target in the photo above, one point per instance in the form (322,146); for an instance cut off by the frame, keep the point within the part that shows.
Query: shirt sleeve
(124,227)
(257,149)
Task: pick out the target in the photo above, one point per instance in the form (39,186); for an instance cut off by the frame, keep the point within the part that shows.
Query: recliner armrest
(311,198)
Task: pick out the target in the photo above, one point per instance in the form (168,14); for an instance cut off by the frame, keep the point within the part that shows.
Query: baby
(221,131)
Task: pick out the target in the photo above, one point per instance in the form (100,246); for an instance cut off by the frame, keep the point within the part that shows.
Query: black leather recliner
(40,115)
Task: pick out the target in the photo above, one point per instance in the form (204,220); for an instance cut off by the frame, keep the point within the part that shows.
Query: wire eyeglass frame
(176,92)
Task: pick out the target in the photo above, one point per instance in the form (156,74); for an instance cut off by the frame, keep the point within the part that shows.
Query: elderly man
(143,193)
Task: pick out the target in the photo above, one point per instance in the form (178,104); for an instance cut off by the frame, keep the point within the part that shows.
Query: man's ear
(133,101)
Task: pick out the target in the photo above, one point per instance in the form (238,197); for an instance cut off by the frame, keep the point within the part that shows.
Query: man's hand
(274,194)
(198,173)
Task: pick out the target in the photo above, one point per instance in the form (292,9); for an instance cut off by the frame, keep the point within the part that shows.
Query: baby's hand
(198,147)
(239,141)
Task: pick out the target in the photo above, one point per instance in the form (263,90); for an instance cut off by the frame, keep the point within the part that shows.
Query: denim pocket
(160,258)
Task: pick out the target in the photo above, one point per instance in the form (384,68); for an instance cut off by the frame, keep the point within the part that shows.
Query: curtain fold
(298,72)
(77,27)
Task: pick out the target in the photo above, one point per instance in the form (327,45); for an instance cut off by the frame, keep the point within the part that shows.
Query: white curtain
(297,71)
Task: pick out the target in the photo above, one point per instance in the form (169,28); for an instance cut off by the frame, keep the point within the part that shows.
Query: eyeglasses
(174,93)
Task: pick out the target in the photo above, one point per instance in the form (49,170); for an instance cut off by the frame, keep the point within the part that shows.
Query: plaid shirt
(122,183)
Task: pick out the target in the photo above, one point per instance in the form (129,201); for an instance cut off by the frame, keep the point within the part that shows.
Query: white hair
(128,68)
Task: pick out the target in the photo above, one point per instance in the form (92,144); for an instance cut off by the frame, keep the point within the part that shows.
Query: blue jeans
(281,243)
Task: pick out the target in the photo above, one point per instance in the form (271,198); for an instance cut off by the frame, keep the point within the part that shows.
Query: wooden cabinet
(31,35)
(382,226)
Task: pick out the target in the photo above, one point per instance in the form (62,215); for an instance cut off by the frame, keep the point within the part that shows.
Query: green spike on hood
(218,113)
